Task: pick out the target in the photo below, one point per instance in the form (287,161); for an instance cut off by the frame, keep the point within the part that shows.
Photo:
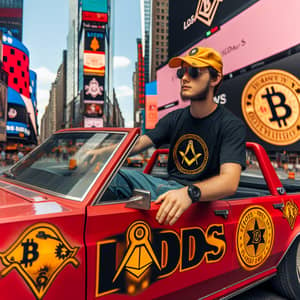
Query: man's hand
(174,203)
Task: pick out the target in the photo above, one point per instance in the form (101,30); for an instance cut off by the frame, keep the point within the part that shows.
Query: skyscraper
(11,17)
(154,21)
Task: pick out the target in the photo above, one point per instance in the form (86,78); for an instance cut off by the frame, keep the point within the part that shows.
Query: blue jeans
(127,180)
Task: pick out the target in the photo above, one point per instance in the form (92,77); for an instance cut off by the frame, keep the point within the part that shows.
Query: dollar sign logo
(269,96)
(30,253)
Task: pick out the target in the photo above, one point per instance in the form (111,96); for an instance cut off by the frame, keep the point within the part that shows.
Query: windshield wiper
(9,174)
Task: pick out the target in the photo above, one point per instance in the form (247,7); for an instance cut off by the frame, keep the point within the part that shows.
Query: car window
(64,165)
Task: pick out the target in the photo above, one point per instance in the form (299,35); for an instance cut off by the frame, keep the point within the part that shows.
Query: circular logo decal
(254,238)
(271,106)
(12,113)
(190,154)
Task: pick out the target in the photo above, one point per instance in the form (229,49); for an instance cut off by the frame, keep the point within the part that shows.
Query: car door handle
(222,212)
(278,205)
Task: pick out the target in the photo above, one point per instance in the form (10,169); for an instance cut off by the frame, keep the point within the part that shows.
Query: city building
(11,17)
(154,23)
(54,115)
(21,124)
(159,39)
(90,98)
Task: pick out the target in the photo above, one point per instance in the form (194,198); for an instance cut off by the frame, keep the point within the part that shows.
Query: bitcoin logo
(254,237)
(271,106)
(190,154)
(30,253)
(39,254)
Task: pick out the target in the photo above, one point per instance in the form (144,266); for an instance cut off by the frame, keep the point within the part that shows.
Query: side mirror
(140,200)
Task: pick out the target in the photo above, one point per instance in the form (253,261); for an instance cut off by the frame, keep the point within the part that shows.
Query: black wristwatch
(194,193)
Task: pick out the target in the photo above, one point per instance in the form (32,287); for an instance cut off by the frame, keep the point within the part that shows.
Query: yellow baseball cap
(199,57)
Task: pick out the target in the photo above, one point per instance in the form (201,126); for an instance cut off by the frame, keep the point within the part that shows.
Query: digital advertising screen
(94,52)
(151,105)
(94,17)
(93,122)
(240,45)
(16,64)
(94,5)
(190,20)
(267,99)
(94,40)
(32,87)
(11,20)
(93,110)
(21,121)
(93,88)
(17,116)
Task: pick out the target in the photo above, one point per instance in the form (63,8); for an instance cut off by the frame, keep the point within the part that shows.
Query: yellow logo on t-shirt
(190,154)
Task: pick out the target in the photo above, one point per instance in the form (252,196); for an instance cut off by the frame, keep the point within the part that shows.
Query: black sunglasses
(192,71)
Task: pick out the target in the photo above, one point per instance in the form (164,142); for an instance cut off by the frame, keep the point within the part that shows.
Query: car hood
(18,202)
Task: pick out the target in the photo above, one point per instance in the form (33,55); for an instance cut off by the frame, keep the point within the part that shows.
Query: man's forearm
(220,186)
(143,143)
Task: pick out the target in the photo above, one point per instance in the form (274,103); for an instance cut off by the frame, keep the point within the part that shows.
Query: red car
(63,237)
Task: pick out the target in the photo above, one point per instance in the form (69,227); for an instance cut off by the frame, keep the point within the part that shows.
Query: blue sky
(45,28)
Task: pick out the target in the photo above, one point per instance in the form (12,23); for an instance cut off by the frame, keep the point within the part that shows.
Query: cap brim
(176,62)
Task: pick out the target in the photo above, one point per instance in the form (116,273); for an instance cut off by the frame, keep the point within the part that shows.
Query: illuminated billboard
(11,20)
(151,105)
(190,20)
(94,17)
(16,64)
(93,110)
(17,116)
(94,52)
(93,88)
(268,100)
(94,5)
(93,122)
(239,44)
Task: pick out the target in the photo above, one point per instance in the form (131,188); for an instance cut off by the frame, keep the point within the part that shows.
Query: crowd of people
(8,158)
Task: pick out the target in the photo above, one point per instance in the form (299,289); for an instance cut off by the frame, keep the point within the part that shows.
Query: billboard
(94,5)
(190,20)
(94,17)
(268,100)
(93,88)
(151,113)
(93,110)
(17,116)
(11,20)
(16,64)
(240,44)
(93,122)
(94,52)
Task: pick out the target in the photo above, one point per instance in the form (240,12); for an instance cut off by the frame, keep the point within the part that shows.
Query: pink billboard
(264,29)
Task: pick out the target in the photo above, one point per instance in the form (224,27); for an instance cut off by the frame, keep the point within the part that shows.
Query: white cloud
(123,91)
(44,76)
(121,62)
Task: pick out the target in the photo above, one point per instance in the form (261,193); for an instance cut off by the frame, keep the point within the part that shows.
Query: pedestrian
(207,143)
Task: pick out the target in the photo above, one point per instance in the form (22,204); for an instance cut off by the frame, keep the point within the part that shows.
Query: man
(207,143)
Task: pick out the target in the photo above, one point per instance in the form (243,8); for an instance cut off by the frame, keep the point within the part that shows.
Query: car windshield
(64,164)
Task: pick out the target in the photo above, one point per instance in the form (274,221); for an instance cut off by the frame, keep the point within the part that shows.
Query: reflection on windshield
(68,163)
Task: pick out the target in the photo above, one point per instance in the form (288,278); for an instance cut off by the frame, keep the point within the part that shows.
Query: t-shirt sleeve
(161,133)
(233,148)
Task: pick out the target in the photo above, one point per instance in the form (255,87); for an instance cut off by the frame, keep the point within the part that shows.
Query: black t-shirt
(198,147)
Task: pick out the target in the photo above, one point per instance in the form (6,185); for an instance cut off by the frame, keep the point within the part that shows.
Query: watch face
(194,193)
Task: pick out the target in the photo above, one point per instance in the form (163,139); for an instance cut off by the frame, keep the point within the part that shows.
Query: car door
(130,253)
(261,227)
